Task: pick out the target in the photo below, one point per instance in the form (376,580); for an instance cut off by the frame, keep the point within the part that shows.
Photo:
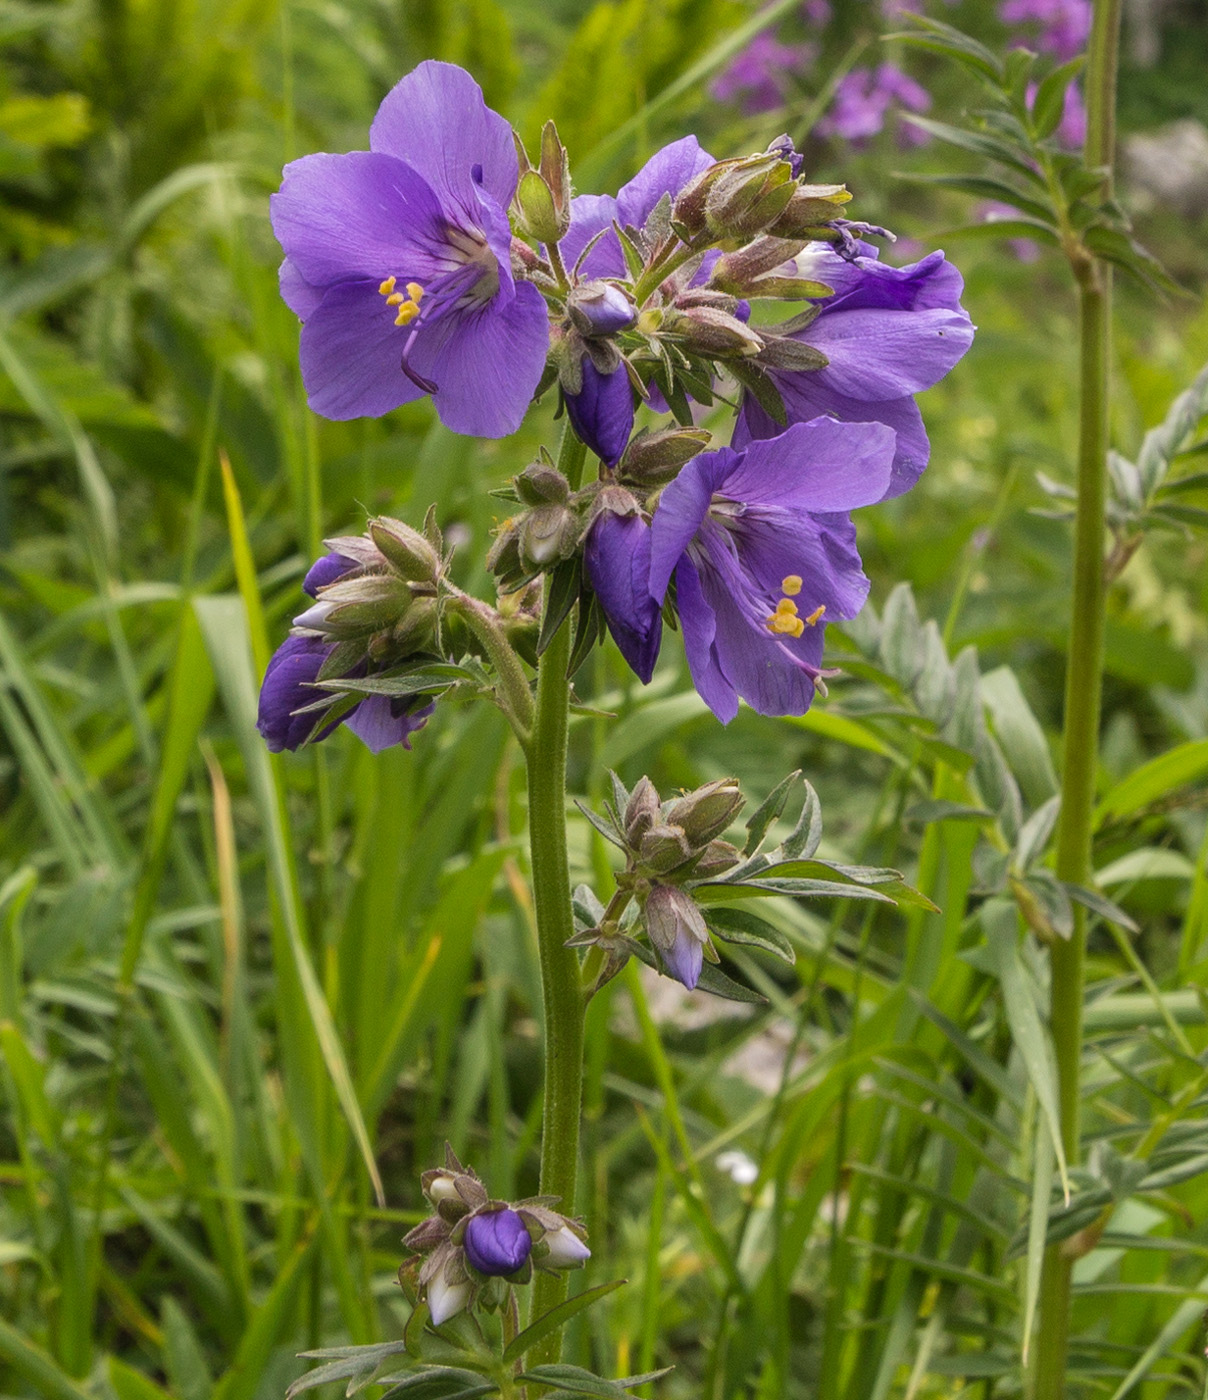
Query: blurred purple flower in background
(1062,27)
(759,78)
(862,103)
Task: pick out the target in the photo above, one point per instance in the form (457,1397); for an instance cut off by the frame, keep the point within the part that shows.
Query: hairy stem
(561,992)
(1083,690)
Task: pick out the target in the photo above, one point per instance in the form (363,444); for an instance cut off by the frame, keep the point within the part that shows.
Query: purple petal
(879,354)
(770,672)
(296,292)
(617,561)
(684,959)
(699,626)
(485,362)
(438,122)
(589,213)
(820,466)
(352,354)
(497,1242)
(807,397)
(666,172)
(361,216)
(681,509)
(288,685)
(381,722)
(326,570)
(602,413)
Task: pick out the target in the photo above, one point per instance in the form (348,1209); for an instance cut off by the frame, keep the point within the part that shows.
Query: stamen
(387,286)
(786,605)
(812,620)
(415,292)
(408,306)
(791,584)
(407,313)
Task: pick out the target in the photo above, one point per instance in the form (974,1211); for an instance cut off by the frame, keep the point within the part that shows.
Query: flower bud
(417,628)
(811,208)
(445,1299)
(715,860)
(540,484)
(677,933)
(641,812)
(407,550)
(565,1249)
(601,411)
(503,557)
(547,534)
(707,812)
(653,459)
(749,197)
(711,332)
(497,1242)
(538,214)
(600,308)
(555,171)
(663,847)
(354,607)
(440,1186)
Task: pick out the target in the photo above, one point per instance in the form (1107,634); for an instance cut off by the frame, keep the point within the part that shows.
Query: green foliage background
(213,961)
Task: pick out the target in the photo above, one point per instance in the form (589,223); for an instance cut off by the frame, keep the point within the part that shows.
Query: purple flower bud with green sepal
(616,559)
(761,549)
(677,933)
(600,308)
(602,412)
(398,262)
(497,1242)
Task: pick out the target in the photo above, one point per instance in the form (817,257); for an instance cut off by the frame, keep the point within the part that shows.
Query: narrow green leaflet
(557,1317)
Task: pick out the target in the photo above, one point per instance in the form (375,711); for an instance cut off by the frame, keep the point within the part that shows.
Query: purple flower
(1062,26)
(756,77)
(1071,130)
(666,172)
(761,549)
(889,333)
(863,98)
(379,721)
(616,558)
(497,1242)
(602,411)
(677,933)
(398,262)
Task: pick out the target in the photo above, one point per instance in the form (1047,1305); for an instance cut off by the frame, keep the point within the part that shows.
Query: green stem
(1083,689)
(561,992)
(515,697)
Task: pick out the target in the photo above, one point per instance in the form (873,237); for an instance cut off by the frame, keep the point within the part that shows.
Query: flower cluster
(376,603)
(443,261)
(864,99)
(472,1246)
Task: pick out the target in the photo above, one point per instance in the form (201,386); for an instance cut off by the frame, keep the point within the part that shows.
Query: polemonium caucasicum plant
(446,262)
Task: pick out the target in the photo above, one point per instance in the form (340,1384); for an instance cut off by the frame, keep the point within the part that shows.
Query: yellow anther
(785,625)
(816,614)
(786,605)
(798,627)
(414,291)
(387,286)
(791,584)
(406,313)
(395,299)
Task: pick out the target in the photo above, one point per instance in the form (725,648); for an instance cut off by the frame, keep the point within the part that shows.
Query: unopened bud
(407,550)
(688,211)
(503,558)
(663,847)
(540,484)
(641,812)
(707,812)
(749,197)
(538,213)
(417,628)
(811,207)
(716,859)
(653,459)
(358,606)
(547,534)
(712,332)
(600,308)
(677,932)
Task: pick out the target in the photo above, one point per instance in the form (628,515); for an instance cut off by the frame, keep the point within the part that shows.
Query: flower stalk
(1083,690)
(560,986)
